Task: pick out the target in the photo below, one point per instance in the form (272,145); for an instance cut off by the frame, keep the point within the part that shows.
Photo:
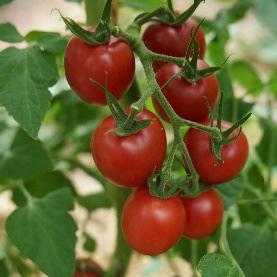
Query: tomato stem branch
(26,193)
(264,204)
(272,137)
(88,170)
(224,245)
(147,57)
(256,201)
(194,254)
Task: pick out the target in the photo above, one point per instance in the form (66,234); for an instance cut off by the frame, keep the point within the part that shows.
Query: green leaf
(216,52)
(25,75)
(44,232)
(266,12)
(18,263)
(183,248)
(254,247)
(21,157)
(272,83)
(3,269)
(235,108)
(256,178)
(94,201)
(77,119)
(48,41)
(89,244)
(41,185)
(267,149)
(216,265)
(9,33)
(245,74)
(145,5)
(231,191)
(5,2)
(236,12)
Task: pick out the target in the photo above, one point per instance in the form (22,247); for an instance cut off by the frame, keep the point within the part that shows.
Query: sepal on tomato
(166,15)
(224,139)
(120,116)
(102,33)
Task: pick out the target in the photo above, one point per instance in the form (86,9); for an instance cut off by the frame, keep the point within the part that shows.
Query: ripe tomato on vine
(84,62)
(234,155)
(152,225)
(190,100)
(129,160)
(173,40)
(204,214)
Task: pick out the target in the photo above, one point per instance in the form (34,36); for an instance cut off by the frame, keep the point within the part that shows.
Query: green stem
(193,173)
(271,146)
(194,255)
(88,170)
(170,5)
(150,76)
(224,245)
(26,193)
(122,253)
(256,201)
(265,205)
(147,17)
(146,57)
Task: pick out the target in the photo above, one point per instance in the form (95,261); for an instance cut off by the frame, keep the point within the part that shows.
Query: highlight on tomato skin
(152,225)
(172,40)
(234,155)
(129,160)
(204,214)
(190,101)
(84,62)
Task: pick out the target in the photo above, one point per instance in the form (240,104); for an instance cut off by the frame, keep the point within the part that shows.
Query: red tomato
(83,62)
(204,214)
(152,225)
(129,160)
(171,40)
(189,100)
(234,156)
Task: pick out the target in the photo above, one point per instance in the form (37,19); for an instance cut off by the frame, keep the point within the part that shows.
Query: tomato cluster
(150,224)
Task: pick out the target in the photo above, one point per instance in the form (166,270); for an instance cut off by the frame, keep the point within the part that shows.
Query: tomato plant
(171,40)
(66,197)
(128,165)
(189,100)
(163,222)
(204,214)
(234,156)
(84,62)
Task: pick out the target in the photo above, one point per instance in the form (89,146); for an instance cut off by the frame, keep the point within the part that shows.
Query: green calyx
(225,137)
(102,33)
(190,72)
(126,123)
(167,15)
(159,187)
